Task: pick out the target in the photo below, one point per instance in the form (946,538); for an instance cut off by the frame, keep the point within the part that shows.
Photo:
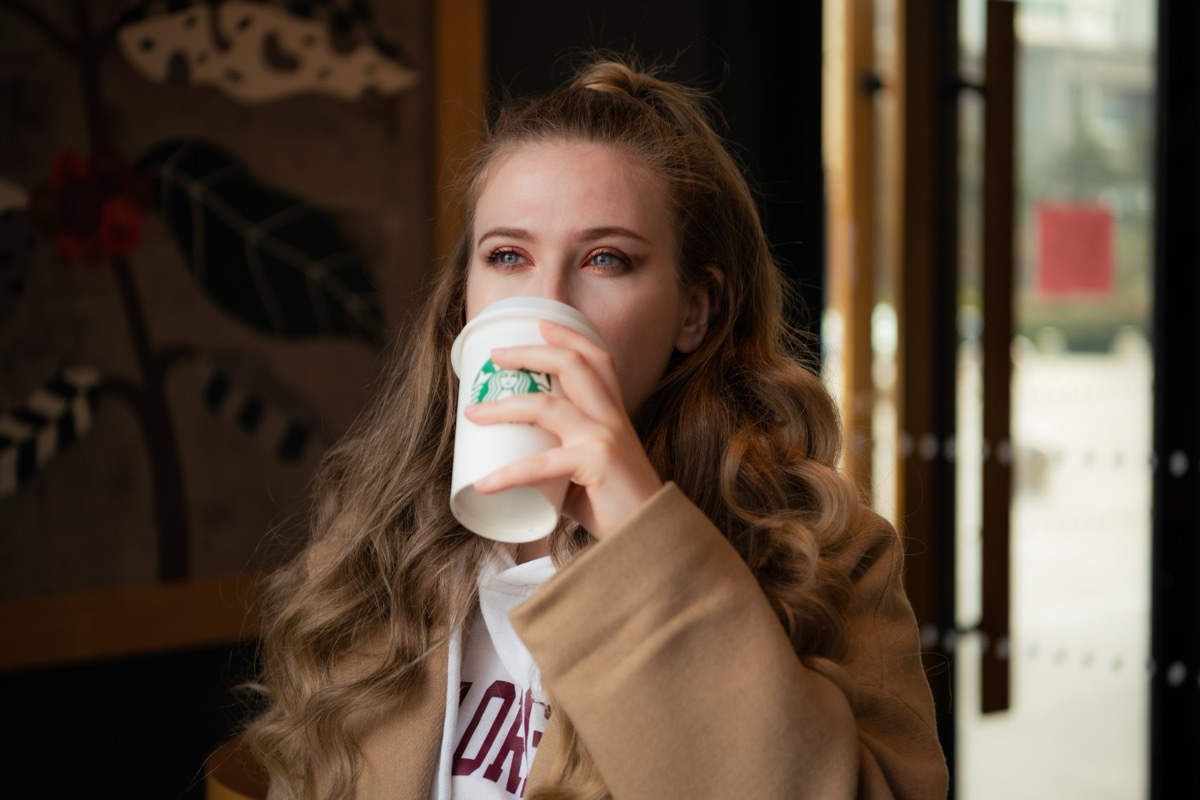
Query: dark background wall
(141,727)
(762,60)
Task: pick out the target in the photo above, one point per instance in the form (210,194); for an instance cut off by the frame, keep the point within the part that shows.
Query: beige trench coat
(663,651)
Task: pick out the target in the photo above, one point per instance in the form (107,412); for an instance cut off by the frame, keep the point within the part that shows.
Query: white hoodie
(495,708)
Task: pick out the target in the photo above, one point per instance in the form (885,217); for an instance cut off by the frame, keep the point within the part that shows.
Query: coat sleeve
(660,647)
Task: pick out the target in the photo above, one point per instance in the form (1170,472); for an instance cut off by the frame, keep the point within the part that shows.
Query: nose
(551,282)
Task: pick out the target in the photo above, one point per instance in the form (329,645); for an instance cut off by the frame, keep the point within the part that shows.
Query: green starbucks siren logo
(493,383)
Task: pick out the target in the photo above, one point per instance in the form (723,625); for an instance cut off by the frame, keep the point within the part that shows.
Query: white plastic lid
(525,306)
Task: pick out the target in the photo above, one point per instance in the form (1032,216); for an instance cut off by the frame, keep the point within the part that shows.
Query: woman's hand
(610,472)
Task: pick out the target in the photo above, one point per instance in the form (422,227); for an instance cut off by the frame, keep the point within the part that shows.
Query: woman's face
(581,224)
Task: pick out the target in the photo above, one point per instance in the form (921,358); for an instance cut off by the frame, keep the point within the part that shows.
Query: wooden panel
(89,626)
(852,236)
(460,90)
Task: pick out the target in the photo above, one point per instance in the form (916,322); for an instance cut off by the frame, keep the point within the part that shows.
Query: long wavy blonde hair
(743,425)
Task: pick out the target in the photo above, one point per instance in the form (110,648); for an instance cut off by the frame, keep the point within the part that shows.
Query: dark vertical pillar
(929,302)
(1175,590)
(998,263)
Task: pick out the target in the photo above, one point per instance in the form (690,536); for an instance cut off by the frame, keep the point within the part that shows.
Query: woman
(718,615)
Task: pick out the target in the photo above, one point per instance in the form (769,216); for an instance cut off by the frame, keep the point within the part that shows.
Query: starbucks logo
(493,383)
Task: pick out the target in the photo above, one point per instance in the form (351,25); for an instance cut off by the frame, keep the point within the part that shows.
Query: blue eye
(505,257)
(608,260)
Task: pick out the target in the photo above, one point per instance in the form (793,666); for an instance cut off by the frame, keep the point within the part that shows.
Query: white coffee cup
(522,513)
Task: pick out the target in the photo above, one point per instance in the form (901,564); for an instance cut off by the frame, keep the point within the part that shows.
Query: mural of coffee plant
(273,260)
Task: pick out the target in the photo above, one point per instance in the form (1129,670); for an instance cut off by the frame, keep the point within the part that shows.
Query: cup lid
(525,306)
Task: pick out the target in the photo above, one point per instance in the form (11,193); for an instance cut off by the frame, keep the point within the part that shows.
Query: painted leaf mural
(272,260)
(257,51)
(243,389)
(275,262)
(54,416)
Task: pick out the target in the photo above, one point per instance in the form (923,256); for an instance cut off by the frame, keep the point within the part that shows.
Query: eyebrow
(506,233)
(587,235)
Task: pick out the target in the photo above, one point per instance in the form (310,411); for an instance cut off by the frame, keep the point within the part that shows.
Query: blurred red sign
(1074,249)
